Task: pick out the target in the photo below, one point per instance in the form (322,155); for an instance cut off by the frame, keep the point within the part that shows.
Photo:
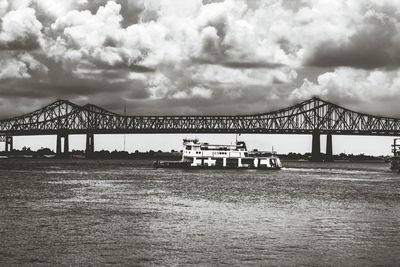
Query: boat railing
(261,153)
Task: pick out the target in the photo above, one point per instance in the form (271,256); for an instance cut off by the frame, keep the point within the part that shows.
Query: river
(88,212)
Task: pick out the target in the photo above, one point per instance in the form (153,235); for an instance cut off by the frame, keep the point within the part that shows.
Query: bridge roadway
(315,117)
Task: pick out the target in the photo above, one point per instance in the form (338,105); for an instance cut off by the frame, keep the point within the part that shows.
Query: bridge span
(315,117)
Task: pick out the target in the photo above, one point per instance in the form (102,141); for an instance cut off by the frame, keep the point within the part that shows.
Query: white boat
(235,156)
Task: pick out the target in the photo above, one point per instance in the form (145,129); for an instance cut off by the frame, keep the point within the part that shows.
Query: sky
(185,57)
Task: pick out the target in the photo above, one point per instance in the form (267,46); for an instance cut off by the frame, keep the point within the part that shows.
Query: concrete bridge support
(9,144)
(316,147)
(89,144)
(329,152)
(59,151)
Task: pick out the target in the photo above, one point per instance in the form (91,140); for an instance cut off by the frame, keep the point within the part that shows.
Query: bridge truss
(314,116)
(303,118)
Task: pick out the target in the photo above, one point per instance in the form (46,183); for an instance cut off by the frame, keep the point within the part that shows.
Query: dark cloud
(226,100)
(31,88)
(133,67)
(131,11)
(64,82)
(125,66)
(108,88)
(16,106)
(295,5)
(140,68)
(251,65)
(26,43)
(12,88)
(374,45)
(239,64)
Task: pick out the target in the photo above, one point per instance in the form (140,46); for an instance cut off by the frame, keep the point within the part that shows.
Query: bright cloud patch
(20,30)
(23,66)
(348,84)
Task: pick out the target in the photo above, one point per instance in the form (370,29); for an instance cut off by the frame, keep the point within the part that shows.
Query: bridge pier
(9,144)
(65,151)
(316,147)
(329,153)
(89,144)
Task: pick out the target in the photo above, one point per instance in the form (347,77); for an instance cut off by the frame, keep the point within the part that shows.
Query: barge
(235,156)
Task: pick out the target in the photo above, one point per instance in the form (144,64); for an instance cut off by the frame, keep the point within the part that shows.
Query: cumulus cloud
(100,39)
(222,56)
(22,66)
(196,92)
(358,87)
(374,42)
(346,83)
(13,69)
(20,30)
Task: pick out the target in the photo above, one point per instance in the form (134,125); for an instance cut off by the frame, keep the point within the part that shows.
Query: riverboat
(235,156)
(395,160)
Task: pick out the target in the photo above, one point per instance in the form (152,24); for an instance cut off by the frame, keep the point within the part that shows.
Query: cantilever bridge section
(314,116)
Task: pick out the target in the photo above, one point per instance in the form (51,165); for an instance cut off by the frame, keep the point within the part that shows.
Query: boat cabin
(235,155)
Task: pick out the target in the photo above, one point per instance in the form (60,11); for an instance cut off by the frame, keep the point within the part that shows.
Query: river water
(84,212)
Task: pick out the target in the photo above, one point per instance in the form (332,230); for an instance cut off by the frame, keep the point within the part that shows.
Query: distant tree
(26,149)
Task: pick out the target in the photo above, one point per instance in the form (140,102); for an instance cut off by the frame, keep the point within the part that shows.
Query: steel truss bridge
(314,116)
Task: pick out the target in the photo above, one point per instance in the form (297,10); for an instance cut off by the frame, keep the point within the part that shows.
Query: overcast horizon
(188,57)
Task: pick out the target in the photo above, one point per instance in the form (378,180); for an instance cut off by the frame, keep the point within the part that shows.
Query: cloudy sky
(199,56)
